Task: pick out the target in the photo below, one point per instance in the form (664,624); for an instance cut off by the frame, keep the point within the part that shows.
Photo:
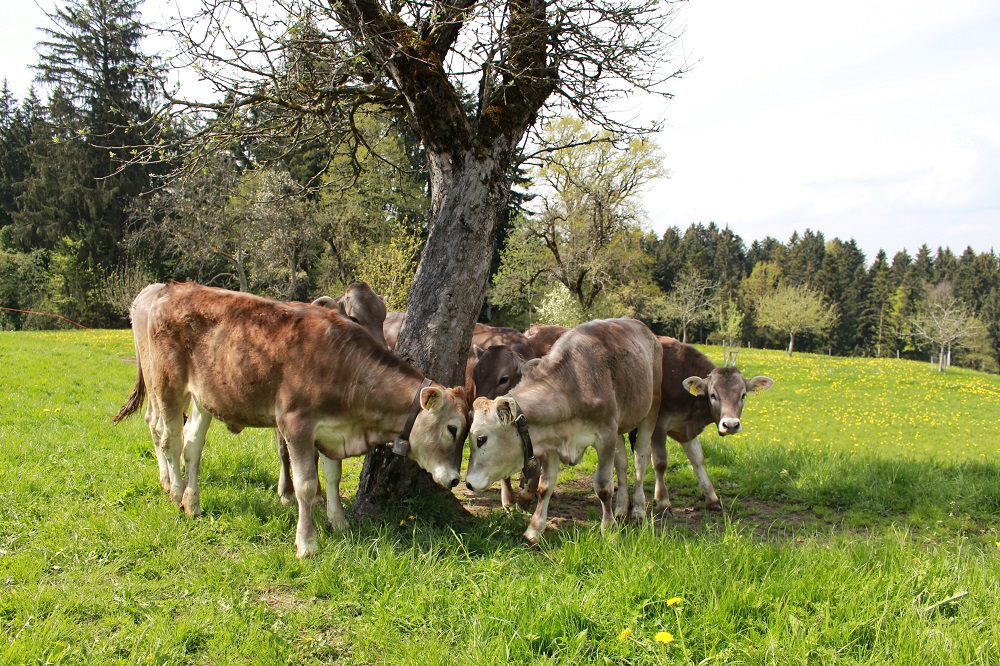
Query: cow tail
(135,399)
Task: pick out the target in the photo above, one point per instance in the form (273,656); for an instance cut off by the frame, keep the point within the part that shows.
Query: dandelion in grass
(625,634)
(402,522)
(413,517)
(673,601)
(664,637)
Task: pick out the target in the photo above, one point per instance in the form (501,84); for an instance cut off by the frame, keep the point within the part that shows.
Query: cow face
(438,433)
(362,306)
(496,451)
(726,390)
(497,371)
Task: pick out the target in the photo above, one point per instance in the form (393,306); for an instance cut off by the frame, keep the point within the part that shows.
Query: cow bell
(532,468)
(401,447)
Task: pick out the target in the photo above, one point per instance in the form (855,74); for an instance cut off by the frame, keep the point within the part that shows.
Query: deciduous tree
(793,310)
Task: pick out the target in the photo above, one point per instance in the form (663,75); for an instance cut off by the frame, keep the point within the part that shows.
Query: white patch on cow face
(434,439)
(496,451)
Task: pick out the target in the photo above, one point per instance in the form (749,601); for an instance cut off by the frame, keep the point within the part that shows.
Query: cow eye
(504,380)
(481,441)
(743,397)
(354,319)
(715,397)
(454,431)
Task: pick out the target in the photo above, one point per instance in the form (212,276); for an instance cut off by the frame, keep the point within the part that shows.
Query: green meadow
(861,526)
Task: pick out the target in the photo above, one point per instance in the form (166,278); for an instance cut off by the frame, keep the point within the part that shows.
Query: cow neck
(531,468)
(401,445)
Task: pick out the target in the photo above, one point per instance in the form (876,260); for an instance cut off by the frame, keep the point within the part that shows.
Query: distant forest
(96,201)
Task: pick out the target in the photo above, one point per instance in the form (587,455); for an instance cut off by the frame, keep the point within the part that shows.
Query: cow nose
(468,485)
(731,425)
(454,482)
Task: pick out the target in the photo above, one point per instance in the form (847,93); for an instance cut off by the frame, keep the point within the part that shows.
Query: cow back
(601,370)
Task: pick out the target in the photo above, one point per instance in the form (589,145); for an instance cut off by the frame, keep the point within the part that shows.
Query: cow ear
(695,386)
(528,366)
(759,384)
(326,302)
(506,409)
(382,296)
(461,393)
(431,398)
(480,403)
(478,351)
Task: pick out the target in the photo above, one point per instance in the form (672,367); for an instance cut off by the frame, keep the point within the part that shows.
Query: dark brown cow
(696,393)
(253,362)
(599,381)
(364,307)
(541,337)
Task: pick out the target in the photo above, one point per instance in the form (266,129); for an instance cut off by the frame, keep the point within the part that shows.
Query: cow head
(438,433)
(498,370)
(726,390)
(362,305)
(496,451)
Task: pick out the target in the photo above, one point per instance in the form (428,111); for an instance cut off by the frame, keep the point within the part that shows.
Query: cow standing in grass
(364,307)
(324,382)
(600,380)
(696,393)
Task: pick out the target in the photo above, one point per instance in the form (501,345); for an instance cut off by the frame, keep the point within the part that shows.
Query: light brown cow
(600,380)
(253,362)
(541,337)
(391,326)
(497,370)
(364,307)
(696,393)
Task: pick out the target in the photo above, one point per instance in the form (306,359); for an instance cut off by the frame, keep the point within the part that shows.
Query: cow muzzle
(729,427)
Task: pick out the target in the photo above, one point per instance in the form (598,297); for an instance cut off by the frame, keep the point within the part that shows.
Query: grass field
(862,526)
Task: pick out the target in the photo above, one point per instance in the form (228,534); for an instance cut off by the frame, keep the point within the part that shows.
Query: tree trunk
(791,344)
(468,194)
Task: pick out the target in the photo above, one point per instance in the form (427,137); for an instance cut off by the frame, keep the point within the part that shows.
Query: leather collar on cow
(532,467)
(401,445)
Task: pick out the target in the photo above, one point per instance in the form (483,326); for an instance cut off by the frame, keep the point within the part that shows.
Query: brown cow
(497,370)
(253,362)
(541,337)
(390,328)
(600,380)
(696,393)
(364,307)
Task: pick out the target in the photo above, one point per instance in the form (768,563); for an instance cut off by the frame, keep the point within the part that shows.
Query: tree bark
(791,344)
(469,193)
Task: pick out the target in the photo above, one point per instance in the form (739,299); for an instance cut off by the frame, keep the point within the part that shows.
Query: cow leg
(286,491)
(170,425)
(299,434)
(195,428)
(694,453)
(528,491)
(155,430)
(658,447)
(641,450)
(507,496)
(546,485)
(332,470)
(603,483)
(621,471)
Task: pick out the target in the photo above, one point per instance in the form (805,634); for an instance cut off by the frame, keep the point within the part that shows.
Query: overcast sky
(877,120)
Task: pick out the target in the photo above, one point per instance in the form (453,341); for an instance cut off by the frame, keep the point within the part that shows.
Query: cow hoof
(638,515)
(338,525)
(714,506)
(306,550)
(532,541)
(286,499)
(664,510)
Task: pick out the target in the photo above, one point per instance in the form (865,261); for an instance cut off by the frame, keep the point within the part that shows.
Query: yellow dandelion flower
(47,409)
(57,409)
(625,634)
(664,637)
(413,517)
(673,601)
(402,522)
(998,544)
